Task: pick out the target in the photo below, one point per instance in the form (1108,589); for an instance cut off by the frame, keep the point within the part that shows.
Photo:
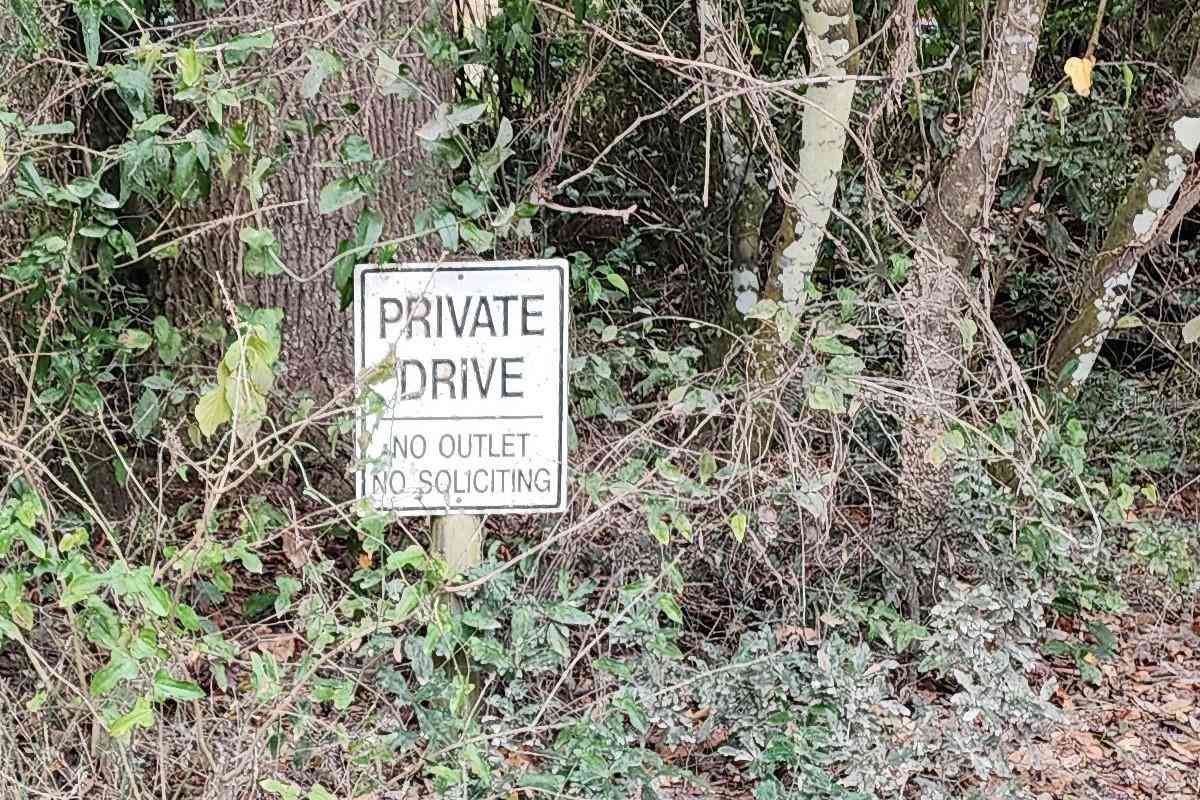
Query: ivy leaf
(134,340)
(166,687)
(262,252)
(569,615)
(392,77)
(89,23)
(51,129)
(339,194)
(356,150)
(479,239)
(170,342)
(187,60)
(145,414)
(480,621)
(120,669)
(319,792)
(823,397)
(618,283)
(324,65)
(212,410)
(670,607)
(737,525)
(141,716)
(285,790)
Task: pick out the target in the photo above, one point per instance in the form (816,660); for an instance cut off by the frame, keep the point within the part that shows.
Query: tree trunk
(831,34)
(317,341)
(931,300)
(1134,226)
(744,193)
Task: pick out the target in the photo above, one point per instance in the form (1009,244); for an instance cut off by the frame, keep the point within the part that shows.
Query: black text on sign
(473,388)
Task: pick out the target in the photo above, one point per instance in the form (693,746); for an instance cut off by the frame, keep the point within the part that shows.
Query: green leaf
(569,615)
(153,597)
(87,398)
(72,540)
(51,129)
(618,283)
(411,556)
(468,200)
(832,346)
(339,194)
(670,607)
(479,239)
(737,525)
(212,410)
(285,790)
(82,587)
(142,716)
(190,67)
(544,781)
(135,340)
(324,65)
(145,414)
(356,150)
(166,687)
(262,252)
(823,397)
(392,77)
(764,309)
(319,792)
(480,621)
(22,614)
(88,13)
(119,669)
(613,667)
(170,341)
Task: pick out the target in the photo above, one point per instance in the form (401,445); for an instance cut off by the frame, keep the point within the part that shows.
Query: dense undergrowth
(191,606)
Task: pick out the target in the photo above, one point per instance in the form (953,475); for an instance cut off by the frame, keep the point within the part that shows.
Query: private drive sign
(470,360)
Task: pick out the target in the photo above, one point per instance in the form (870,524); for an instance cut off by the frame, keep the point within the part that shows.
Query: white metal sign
(469,363)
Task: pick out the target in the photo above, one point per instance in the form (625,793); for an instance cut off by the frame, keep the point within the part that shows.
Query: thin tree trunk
(317,346)
(1134,226)
(831,35)
(931,300)
(743,191)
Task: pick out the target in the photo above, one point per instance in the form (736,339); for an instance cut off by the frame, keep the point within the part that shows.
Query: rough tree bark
(1135,224)
(931,299)
(831,35)
(318,345)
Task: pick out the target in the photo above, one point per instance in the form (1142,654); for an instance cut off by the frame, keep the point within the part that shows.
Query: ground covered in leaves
(1136,734)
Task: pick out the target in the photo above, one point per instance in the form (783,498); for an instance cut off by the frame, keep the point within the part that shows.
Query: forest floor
(1136,734)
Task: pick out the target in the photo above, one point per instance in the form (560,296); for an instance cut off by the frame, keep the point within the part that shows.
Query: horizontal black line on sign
(424,419)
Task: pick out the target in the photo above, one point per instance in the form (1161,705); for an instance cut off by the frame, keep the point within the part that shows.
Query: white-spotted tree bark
(932,300)
(1134,226)
(831,36)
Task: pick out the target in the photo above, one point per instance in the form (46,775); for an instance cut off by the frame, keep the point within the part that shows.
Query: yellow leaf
(212,410)
(1079,70)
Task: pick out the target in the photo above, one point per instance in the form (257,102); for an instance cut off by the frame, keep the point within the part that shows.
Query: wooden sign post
(468,365)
